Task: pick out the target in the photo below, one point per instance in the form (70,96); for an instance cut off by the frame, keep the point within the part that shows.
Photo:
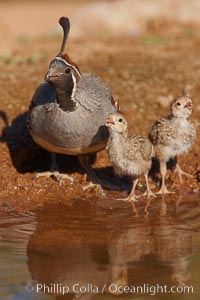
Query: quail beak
(109,122)
(49,76)
(188,105)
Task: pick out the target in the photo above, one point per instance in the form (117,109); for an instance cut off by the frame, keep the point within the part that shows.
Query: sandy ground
(145,71)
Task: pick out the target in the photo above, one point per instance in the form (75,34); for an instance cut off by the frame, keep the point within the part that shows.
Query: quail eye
(67,70)
(178,104)
(120,120)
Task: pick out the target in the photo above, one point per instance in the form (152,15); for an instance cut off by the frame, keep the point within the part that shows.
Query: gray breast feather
(92,93)
(79,128)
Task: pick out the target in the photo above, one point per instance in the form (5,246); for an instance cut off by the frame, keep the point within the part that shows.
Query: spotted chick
(130,155)
(173,135)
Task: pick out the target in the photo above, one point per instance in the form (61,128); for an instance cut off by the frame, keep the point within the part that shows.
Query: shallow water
(91,248)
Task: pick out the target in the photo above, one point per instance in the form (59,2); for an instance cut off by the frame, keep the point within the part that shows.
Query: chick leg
(163,170)
(54,171)
(148,192)
(180,172)
(132,197)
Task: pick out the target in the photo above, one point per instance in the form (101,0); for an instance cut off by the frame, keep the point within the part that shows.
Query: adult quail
(68,111)
(173,135)
(130,155)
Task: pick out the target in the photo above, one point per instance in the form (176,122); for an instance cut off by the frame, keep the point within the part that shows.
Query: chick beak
(188,105)
(109,122)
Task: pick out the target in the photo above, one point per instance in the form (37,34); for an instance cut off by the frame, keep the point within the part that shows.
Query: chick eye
(120,120)
(178,104)
(67,70)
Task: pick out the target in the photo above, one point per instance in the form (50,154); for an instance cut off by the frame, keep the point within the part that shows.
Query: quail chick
(68,110)
(173,135)
(130,155)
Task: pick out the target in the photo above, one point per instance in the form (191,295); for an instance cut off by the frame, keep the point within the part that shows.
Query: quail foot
(173,135)
(68,110)
(130,155)
(54,172)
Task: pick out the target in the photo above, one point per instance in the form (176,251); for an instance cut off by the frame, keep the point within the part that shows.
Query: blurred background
(20,18)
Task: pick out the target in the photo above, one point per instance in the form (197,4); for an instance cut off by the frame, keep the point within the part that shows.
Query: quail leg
(180,172)
(55,172)
(163,170)
(148,192)
(95,182)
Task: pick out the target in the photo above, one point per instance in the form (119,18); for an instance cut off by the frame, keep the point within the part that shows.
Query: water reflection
(94,245)
(14,234)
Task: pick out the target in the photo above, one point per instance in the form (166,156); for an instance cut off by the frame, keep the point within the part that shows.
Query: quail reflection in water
(98,244)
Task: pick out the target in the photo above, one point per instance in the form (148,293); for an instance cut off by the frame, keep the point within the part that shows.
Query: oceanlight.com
(60,289)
